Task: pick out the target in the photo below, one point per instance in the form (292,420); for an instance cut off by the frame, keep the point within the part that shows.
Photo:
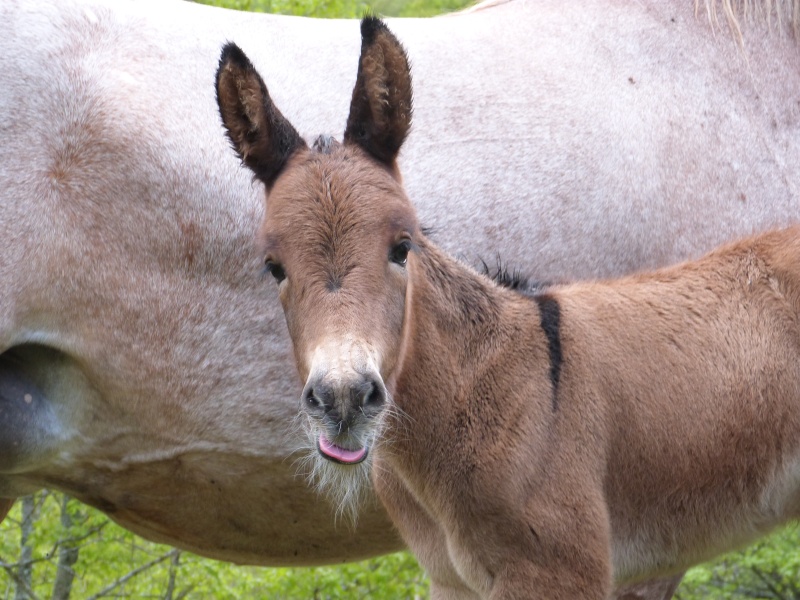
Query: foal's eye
(399,254)
(275,270)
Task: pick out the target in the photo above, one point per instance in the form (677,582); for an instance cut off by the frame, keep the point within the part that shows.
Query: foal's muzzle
(344,408)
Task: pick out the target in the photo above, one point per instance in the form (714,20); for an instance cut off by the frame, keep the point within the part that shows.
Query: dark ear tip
(232,54)
(370,27)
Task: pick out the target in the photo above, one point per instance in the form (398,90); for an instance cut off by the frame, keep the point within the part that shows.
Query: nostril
(375,395)
(310,398)
(317,396)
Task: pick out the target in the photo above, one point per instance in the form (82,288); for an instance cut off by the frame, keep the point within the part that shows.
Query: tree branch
(21,583)
(771,586)
(122,580)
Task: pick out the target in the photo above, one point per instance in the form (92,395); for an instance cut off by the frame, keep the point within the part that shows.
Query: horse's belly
(243,509)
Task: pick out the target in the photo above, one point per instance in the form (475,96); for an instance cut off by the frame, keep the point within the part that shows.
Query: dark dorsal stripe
(551,320)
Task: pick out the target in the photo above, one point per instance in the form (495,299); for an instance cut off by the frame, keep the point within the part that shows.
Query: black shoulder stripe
(551,321)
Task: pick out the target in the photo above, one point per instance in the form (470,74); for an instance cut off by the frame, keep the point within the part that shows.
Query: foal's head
(338,237)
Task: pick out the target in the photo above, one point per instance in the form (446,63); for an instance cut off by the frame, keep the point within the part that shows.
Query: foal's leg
(657,589)
(558,547)
(423,535)
(439,592)
(562,571)
(527,581)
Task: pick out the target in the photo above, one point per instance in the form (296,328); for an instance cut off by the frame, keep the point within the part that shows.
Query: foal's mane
(512,278)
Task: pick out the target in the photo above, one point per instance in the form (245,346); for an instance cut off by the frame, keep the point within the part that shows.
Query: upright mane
(512,278)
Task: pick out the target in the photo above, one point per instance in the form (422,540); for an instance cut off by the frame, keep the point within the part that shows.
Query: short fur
(509,277)
(550,322)
(548,446)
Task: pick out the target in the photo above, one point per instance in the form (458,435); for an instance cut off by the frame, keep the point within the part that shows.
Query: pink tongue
(341,454)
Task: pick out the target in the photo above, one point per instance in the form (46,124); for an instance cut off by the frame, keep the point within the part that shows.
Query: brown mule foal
(524,447)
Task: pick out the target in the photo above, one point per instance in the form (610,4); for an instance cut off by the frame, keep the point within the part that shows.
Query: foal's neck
(459,305)
(460,324)
(468,345)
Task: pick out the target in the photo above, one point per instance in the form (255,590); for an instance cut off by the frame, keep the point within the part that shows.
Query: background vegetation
(339,9)
(55,548)
(52,547)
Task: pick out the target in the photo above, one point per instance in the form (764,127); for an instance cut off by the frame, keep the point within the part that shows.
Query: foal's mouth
(337,454)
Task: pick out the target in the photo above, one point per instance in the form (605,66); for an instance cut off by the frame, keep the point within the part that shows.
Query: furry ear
(259,133)
(380,111)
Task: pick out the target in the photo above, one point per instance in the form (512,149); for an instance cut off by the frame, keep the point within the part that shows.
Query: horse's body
(132,308)
(543,446)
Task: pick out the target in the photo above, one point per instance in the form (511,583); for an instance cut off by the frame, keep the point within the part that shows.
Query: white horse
(146,368)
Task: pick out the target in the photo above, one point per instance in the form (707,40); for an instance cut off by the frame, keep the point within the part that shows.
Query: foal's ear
(380,111)
(260,134)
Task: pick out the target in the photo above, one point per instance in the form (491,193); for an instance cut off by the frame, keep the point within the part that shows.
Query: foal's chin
(345,483)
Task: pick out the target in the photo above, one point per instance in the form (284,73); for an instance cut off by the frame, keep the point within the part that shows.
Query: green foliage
(417,8)
(345,8)
(393,576)
(305,8)
(113,562)
(768,569)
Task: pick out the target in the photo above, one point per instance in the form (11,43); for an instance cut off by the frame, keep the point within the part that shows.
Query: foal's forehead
(342,187)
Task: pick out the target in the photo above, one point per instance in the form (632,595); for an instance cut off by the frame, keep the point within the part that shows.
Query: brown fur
(145,322)
(556,445)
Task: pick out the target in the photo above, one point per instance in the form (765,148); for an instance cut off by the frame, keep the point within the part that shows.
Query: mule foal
(524,447)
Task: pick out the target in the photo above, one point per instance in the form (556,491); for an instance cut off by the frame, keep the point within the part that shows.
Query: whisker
(348,488)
